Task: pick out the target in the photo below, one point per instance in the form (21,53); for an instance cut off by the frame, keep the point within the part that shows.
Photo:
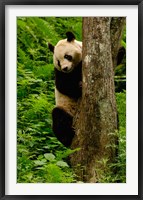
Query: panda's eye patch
(59,63)
(68,57)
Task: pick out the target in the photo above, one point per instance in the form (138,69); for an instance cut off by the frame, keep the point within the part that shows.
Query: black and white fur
(67,58)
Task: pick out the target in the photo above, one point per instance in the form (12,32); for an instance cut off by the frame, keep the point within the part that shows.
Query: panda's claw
(80,84)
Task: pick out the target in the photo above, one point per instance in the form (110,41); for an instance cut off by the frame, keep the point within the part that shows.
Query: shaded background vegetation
(41,158)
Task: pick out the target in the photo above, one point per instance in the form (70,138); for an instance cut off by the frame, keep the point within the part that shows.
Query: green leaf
(123,44)
(62,164)
(38,162)
(49,156)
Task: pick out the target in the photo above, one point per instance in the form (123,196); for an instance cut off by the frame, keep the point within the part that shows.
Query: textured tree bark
(116,27)
(96,118)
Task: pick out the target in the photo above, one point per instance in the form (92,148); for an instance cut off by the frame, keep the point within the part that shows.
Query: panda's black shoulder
(69,83)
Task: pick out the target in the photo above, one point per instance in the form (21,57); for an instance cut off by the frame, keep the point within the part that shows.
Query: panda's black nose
(65,69)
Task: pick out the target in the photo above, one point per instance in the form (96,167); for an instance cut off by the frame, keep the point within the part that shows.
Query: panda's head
(67,53)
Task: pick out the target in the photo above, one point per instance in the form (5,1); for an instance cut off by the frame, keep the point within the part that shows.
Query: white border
(129,188)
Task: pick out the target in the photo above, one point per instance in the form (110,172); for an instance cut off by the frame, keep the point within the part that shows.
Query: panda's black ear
(51,47)
(70,36)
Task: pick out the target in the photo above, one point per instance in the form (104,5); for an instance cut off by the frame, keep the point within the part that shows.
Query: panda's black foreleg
(62,126)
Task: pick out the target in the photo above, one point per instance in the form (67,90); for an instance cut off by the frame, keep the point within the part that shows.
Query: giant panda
(67,59)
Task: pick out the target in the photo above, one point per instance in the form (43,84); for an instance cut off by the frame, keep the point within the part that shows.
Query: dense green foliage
(40,156)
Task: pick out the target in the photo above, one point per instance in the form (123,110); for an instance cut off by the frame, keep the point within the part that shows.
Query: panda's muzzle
(65,69)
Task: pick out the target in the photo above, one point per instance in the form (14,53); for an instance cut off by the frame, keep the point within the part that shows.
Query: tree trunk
(116,29)
(96,119)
